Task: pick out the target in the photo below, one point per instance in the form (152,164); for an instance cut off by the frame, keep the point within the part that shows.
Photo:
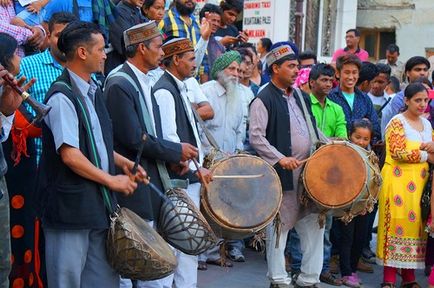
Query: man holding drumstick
(283,131)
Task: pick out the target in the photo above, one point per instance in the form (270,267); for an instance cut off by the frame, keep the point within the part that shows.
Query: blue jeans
(30,18)
(293,247)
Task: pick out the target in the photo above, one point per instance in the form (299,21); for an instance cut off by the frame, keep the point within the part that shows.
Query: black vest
(67,200)
(278,127)
(183,127)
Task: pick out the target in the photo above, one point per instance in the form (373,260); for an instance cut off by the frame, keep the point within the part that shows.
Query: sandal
(413,284)
(330,279)
(201,265)
(220,262)
(387,285)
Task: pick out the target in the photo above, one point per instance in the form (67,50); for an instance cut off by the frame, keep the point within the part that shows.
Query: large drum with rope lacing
(344,178)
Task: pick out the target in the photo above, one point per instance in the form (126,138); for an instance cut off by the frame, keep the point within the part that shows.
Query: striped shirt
(173,25)
(45,69)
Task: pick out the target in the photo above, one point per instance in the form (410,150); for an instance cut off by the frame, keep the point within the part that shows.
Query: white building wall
(413,22)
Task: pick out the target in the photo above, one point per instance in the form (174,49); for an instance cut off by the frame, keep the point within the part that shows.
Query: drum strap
(313,137)
(162,170)
(208,134)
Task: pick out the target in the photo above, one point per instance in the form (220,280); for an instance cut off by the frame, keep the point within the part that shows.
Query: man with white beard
(223,95)
(227,127)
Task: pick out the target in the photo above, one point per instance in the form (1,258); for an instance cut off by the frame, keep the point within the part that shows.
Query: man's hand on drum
(206,175)
(289,163)
(188,152)
(428,147)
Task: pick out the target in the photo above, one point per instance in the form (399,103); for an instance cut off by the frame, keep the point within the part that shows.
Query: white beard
(230,84)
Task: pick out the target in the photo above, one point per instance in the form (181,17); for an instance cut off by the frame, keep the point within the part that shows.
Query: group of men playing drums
(149,101)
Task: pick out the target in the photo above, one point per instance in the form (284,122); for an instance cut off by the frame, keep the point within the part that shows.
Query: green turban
(224,61)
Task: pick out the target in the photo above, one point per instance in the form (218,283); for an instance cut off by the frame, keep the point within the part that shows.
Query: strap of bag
(94,154)
(312,134)
(162,170)
(208,134)
(384,105)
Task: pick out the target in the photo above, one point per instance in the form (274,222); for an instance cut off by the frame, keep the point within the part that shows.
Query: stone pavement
(251,274)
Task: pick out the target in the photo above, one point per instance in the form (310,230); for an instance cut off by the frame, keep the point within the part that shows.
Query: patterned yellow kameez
(401,240)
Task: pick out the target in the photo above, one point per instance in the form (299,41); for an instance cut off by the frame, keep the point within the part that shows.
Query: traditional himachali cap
(140,33)
(177,46)
(223,61)
(280,50)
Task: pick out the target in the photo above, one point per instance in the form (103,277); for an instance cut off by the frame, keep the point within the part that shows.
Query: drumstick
(139,155)
(237,176)
(200,174)
(305,160)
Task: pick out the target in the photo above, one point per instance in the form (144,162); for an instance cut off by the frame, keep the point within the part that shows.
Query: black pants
(371,219)
(352,240)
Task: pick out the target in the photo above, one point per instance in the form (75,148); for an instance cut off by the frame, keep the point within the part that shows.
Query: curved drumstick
(200,174)
(139,155)
(237,176)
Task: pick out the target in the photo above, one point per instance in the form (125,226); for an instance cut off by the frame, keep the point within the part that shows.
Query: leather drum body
(183,226)
(343,177)
(135,250)
(239,207)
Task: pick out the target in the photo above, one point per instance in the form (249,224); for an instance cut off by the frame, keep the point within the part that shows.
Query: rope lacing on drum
(258,241)
(322,218)
(277,223)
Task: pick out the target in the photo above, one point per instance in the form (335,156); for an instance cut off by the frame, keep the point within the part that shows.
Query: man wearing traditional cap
(283,131)
(179,125)
(227,127)
(77,164)
(134,113)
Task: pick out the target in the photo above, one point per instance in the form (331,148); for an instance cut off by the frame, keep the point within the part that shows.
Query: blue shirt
(63,121)
(350,99)
(394,107)
(363,108)
(84,9)
(45,69)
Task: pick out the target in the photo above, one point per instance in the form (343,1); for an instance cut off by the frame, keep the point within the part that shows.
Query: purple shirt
(361,53)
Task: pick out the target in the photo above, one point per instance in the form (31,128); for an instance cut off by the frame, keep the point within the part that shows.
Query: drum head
(244,203)
(335,175)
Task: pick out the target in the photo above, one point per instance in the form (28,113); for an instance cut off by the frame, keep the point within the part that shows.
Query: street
(252,274)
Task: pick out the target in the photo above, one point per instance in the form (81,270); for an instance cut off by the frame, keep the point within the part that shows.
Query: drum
(135,250)
(183,226)
(343,177)
(243,198)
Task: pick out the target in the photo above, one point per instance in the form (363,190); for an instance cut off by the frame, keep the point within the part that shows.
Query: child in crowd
(353,234)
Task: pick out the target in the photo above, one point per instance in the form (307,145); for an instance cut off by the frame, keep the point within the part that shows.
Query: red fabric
(431,277)
(406,274)
(389,274)
(21,129)
(37,261)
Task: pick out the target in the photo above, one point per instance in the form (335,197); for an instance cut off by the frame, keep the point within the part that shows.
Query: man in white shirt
(134,113)
(178,125)
(223,93)
(228,127)
(377,93)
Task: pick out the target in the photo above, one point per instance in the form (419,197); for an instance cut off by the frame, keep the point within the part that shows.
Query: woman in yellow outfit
(401,239)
